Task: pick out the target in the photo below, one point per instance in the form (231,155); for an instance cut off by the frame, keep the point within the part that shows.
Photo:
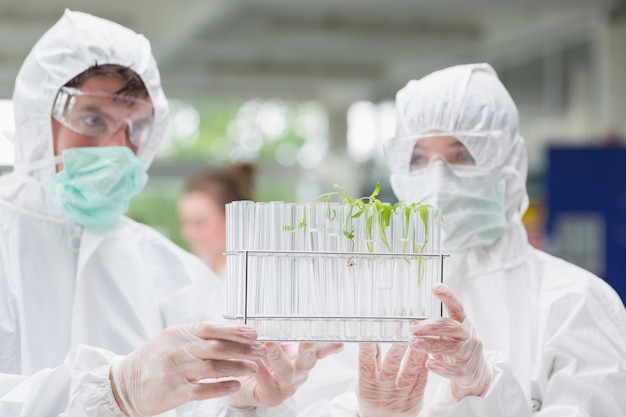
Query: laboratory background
(304,90)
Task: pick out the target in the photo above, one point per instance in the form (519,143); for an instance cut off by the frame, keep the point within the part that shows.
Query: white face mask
(471,200)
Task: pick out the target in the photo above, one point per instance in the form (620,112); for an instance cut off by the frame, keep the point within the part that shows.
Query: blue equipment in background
(586,210)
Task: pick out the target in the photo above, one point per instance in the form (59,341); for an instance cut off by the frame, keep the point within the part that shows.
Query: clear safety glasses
(99,114)
(409,154)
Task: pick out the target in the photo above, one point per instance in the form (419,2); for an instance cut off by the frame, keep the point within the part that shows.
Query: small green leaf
(358,214)
(376,191)
(424,213)
(302,224)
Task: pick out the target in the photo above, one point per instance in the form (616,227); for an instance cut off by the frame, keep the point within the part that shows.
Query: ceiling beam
(201,17)
(198,87)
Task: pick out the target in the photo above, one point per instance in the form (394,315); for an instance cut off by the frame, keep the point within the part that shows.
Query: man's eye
(94,120)
(93,123)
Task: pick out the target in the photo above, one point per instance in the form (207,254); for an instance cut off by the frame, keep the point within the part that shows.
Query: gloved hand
(457,353)
(392,389)
(166,371)
(280,373)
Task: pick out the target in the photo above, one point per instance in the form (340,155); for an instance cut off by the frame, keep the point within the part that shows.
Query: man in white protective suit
(525,333)
(99,315)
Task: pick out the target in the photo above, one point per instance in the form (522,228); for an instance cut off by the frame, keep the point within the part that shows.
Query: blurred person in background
(525,333)
(201,210)
(100,315)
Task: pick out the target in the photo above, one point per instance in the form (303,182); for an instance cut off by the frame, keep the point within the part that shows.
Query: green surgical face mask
(96,184)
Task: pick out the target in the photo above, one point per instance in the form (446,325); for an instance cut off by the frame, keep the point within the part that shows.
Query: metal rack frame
(317,254)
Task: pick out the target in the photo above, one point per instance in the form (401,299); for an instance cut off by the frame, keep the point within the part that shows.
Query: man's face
(88,112)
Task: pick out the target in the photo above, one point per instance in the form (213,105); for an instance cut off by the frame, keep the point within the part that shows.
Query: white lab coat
(73,299)
(555,333)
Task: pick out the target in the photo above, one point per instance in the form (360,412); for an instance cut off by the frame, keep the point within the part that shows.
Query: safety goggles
(99,114)
(456,148)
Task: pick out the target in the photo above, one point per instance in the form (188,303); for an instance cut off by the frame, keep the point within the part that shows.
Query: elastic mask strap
(37,165)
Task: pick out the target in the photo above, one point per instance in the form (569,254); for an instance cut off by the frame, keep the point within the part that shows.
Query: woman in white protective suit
(525,332)
(99,315)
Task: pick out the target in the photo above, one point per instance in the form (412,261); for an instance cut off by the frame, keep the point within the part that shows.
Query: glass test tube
(334,268)
(276,237)
(316,282)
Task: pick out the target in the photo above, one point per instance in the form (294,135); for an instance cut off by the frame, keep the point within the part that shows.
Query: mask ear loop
(32,166)
(37,165)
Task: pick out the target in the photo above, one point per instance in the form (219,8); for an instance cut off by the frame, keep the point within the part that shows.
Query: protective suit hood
(75,43)
(471,99)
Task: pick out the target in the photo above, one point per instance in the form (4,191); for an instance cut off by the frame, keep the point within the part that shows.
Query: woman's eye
(417,161)
(462,157)
(467,158)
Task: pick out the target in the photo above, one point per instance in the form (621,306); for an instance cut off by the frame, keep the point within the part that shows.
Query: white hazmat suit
(554,334)
(71,296)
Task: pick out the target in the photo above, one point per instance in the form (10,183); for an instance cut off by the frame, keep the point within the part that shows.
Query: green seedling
(370,206)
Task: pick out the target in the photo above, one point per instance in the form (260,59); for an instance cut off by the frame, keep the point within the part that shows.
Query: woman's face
(203,225)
